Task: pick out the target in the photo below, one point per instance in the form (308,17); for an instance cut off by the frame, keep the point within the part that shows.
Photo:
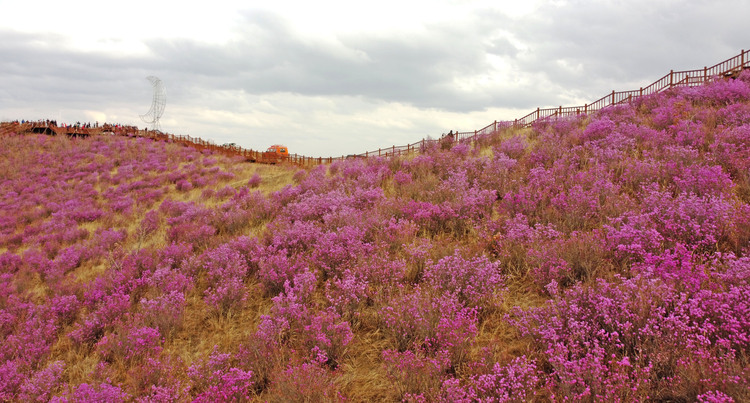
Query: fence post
(394,150)
(585,108)
(705,74)
(537,113)
(378,152)
(613,97)
(671,78)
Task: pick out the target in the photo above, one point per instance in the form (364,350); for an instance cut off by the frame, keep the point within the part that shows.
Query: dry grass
(273,177)
(494,329)
(202,329)
(80,361)
(363,377)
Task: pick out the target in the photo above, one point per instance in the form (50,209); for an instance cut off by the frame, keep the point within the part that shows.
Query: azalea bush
(602,257)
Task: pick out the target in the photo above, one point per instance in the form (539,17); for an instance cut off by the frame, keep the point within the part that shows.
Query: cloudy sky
(341,77)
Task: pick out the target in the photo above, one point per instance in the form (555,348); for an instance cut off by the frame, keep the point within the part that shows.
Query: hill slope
(604,257)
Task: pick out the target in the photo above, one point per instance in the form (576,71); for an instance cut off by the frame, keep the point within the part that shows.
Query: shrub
(634,338)
(254,181)
(514,147)
(102,393)
(217,380)
(110,308)
(323,334)
(515,382)
(164,312)
(43,384)
(130,344)
(275,268)
(435,324)
(304,382)
(226,270)
(474,281)
(415,376)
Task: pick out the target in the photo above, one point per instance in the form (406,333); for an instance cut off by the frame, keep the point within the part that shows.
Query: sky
(332,78)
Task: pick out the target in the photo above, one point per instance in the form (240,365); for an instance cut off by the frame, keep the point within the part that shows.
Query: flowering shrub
(106,311)
(165,312)
(402,178)
(275,268)
(130,344)
(43,384)
(580,256)
(102,393)
(435,218)
(324,335)
(225,273)
(254,182)
(217,380)
(158,379)
(514,382)
(474,281)
(64,307)
(415,376)
(435,324)
(514,147)
(198,235)
(149,224)
(624,340)
(305,381)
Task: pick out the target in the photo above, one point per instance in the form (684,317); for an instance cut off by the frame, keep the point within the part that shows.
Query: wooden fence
(731,67)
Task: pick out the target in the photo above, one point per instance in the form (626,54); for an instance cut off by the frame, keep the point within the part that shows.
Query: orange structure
(275,154)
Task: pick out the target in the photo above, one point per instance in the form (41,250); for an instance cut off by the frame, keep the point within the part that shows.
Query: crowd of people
(53,123)
(77,125)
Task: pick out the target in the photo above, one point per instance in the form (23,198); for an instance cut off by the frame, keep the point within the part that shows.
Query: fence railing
(728,68)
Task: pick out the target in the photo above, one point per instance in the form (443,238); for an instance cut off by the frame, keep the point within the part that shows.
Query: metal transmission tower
(157,105)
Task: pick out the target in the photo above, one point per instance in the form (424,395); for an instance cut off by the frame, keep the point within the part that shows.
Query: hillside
(600,257)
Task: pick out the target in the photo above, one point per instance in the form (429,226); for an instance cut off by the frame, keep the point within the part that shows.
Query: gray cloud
(614,42)
(268,57)
(39,68)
